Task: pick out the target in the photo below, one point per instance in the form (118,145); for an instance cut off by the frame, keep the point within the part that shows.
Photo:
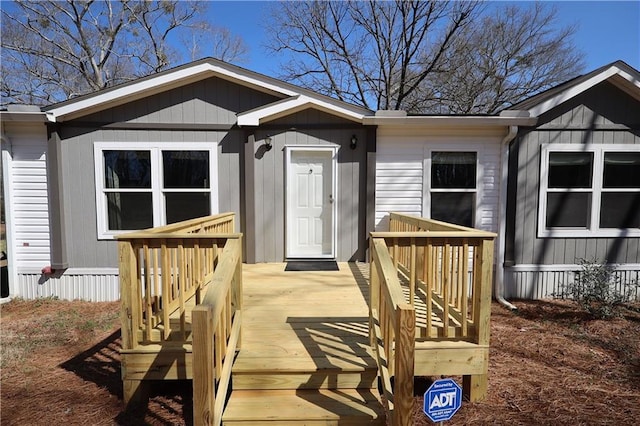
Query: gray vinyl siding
(212,102)
(602,115)
(266,184)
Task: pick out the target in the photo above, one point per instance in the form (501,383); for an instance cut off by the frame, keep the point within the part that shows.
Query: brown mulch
(549,364)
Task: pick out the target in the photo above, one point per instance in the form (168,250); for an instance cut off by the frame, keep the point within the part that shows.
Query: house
(574,183)
(308,176)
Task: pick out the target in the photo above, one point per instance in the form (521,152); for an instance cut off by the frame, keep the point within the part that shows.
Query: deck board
(304,313)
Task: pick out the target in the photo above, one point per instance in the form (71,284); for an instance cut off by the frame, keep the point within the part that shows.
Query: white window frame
(157,188)
(428,154)
(593,229)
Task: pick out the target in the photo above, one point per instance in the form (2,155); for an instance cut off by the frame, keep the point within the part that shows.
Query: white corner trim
(576,90)
(7,176)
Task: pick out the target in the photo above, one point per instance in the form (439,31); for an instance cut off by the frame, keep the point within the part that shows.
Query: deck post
(127,278)
(135,393)
(374,293)
(474,387)
(237,291)
(404,365)
(203,362)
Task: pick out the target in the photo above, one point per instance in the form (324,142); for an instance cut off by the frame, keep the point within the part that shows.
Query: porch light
(267,143)
(354,142)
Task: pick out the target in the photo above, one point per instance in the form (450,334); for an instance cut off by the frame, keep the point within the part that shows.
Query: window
(452,187)
(589,191)
(142,185)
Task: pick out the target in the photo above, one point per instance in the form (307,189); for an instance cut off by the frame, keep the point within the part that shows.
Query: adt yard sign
(442,400)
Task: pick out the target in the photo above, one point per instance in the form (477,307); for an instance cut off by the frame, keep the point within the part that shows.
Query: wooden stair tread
(348,406)
(248,362)
(351,350)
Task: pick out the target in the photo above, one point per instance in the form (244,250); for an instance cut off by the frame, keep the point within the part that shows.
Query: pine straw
(549,364)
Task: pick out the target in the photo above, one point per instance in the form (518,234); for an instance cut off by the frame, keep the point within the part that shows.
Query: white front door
(310,203)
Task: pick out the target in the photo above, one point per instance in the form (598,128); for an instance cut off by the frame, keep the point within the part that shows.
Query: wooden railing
(443,269)
(392,325)
(450,268)
(216,336)
(188,268)
(162,270)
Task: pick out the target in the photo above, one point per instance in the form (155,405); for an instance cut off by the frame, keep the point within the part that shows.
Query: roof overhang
(624,79)
(451,121)
(162,82)
(32,116)
(297,103)
(295,98)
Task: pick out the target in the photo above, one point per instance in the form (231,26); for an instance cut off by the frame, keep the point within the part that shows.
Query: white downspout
(502,218)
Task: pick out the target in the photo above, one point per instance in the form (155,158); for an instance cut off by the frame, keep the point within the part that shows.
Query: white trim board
(572,92)
(292,105)
(566,267)
(73,271)
(185,75)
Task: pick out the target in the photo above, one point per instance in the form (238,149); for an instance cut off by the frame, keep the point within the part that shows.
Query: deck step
(304,407)
(301,363)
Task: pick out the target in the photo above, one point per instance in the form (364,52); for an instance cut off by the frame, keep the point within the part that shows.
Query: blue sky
(607,30)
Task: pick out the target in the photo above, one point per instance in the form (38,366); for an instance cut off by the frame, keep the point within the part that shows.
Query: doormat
(312,265)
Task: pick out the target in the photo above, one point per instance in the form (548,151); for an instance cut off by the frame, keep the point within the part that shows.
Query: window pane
(568,209)
(570,169)
(621,170)
(187,205)
(620,210)
(453,170)
(129,210)
(127,169)
(453,207)
(186,169)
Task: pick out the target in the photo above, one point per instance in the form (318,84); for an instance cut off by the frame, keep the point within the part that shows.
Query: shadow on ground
(170,402)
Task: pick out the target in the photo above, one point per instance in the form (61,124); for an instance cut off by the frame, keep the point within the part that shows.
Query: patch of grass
(46,323)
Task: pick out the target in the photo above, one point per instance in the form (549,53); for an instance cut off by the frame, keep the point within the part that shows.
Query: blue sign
(442,400)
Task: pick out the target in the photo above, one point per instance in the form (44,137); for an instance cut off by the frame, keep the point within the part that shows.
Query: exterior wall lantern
(354,142)
(267,143)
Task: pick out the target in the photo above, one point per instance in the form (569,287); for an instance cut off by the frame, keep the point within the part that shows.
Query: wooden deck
(268,346)
(305,356)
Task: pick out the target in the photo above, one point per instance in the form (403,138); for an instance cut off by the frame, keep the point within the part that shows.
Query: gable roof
(192,72)
(619,73)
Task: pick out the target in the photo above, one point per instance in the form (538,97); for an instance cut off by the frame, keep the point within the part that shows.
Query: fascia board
(450,121)
(286,107)
(580,88)
(35,117)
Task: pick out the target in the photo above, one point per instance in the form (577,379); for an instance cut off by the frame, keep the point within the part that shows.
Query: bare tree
(214,41)
(421,56)
(54,50)
(375,54)
(505,57)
